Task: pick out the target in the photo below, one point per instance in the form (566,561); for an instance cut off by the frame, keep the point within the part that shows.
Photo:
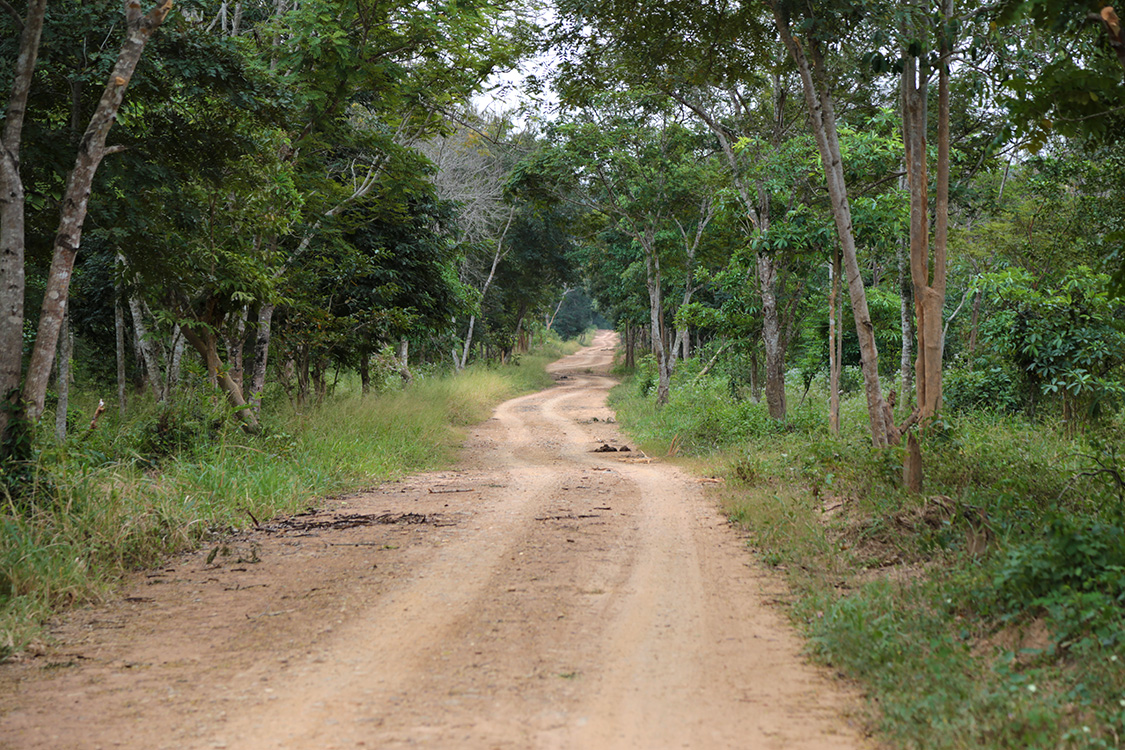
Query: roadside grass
(164,480)
(988,612)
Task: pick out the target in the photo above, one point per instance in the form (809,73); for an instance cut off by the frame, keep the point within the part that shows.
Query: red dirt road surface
(540,596)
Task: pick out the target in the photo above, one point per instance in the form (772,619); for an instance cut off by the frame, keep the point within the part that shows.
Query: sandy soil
(540,596)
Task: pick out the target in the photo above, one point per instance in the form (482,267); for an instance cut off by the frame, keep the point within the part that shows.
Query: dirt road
(541,596)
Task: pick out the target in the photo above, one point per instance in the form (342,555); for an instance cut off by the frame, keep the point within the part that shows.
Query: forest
(863,257)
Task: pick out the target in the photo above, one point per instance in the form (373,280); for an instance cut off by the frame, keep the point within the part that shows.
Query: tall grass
(137,490)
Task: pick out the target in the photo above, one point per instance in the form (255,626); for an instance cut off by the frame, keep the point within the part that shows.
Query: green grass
(988,612)
(165,480)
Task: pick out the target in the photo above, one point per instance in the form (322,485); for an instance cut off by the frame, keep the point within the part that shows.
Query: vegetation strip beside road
(984,613)
(127,495)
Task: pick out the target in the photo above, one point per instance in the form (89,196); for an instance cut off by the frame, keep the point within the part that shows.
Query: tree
(139,27)
(620,161)
(809,53)
(734,84)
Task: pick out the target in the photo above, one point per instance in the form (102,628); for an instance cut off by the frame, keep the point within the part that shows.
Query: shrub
(992,389)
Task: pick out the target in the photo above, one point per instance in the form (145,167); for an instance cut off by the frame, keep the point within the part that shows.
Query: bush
(1076,574)
(992,389)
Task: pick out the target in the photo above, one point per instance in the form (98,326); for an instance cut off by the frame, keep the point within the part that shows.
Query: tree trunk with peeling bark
(927,271)
(76,197)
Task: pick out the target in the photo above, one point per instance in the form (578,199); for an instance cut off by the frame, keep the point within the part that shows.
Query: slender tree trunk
(551,319)
(119,330)
(301,369)
(319,378)
(364,372)
(234,344)
(656,320)
(496,258)
(974,327)
(928,272)
(172,374)
(75,201)
(404,360)
(261,355)
(756,201)
(12,228)
(772,339)
(236,23)
(144,347)
(207,344)
(66,345)
(834,340)
(906,308)
(823,115)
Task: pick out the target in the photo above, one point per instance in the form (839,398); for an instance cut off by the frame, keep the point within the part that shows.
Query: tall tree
(807,38)
(139,27)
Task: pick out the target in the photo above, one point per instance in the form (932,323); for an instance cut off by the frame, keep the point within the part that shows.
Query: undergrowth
(165,478)
(988,612)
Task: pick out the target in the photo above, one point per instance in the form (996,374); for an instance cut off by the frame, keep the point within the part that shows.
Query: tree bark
(656,321)
(906,290)
(927,272)
(823,115)
(207,344)
(119,330)
(772,339)
(172,374)
(66,346)
(834,344)
(261,354)
(76,199)
(234,342)
(12,229)
(144,348)
(404,361)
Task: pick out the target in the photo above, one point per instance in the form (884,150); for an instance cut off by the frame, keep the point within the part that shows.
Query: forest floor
(541,595)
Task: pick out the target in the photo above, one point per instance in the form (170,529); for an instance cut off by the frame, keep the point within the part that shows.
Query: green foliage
(1076,573)
(1067,339)
(192,421)
(996,388)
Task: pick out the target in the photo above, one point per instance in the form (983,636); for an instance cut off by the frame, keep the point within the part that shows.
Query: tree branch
(14,14)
